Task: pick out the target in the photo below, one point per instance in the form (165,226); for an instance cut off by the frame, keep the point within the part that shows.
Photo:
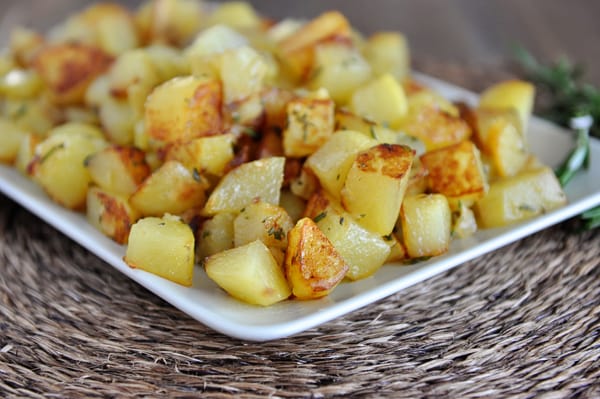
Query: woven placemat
(523,321)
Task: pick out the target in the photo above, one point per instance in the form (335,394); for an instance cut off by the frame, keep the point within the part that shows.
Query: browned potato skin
(436,128)
(313,266)
(132,160)
(115,220)
(204,110)
(455,171)
(68,69)
(298,49)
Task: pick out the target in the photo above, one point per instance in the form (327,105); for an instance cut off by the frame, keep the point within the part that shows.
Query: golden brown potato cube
(11,137)
(426,225)
(250,274)
(262,221)
(498,135)
(375,186)
(58,163)
(429,98)
(515,94)
(434,127)
(183,108)
(332,161)
(118,120)
(249,182)
(388,52)
(67,70)
(397,249)
(242,71)
(364,251)
(382,100)
(340,69)
(297,49)
(24,44)
(520,197)
(26,151)
(305,184)
(113,25)
(237,14)
(162,246)
(312,264)
(110,213)
(310,124)
(20,83)
(131,77)
(464,223)
(172,188)
(456,171)
(118,169)
(205,154)
(216,234)
(173,21)
(346,120)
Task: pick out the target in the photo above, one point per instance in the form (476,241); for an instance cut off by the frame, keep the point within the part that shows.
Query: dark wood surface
(464,32)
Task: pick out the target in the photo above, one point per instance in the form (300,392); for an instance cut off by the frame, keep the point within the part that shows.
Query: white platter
(205,302)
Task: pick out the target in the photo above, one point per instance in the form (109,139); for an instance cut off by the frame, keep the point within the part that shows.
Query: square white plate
(208,304)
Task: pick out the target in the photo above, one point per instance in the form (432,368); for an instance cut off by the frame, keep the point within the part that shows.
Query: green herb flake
(196,175)
(276,232)
(319,217)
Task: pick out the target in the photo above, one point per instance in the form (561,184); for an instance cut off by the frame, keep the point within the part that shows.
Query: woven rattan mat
(523,321)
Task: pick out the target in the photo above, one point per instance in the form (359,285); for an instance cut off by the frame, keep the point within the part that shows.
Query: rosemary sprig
(570,103)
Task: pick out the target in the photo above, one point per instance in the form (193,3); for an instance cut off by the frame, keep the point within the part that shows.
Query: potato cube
(162,246)
(216,234)
(435,127)
(183,108)
(213,40)
(250,274)
(498,135)
(310,124)
(375,186)
(364,251)
(332,161)
(426,225)
(262,221)
(340,69)
(237,14)
(520,197)
(456,171)
(118,169)
(249,182)
(110,213)
(382,100)
(297,49)
(312,264)
(58,164)
(11,137)
(169,21)
(68,69)
(388,52)
(515,94)
(210,154)
(118,120)
(242,72)
(172,188)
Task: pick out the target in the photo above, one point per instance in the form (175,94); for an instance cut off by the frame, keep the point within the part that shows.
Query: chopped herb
(248,131)
(162,224)
(418,260)
(342,221)
(527,208)
(372,131)
(388,237)
(276,232)
(196,175)
(337,177)
(51,151)
(319,217)
(315,73)
(205,233)
(86,161)
(21,111)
